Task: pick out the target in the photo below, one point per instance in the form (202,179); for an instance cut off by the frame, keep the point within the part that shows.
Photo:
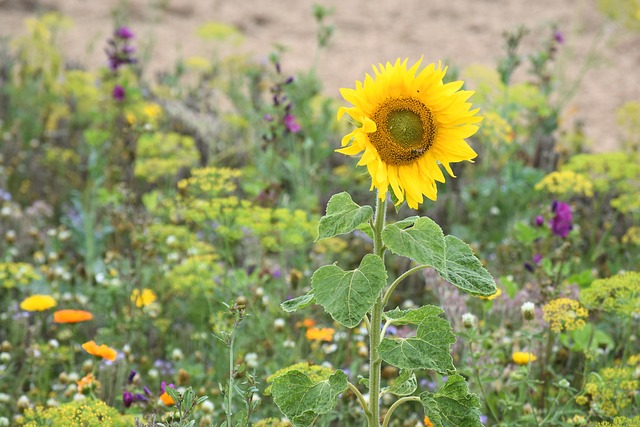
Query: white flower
(289,344)
(528,310)
(251,359)
(207,407)
(279,324)
(177,354)
(4,422)
(5,357)
(23,402)
(469,320)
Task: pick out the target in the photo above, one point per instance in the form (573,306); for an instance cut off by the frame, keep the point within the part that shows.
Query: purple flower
(539,221)
(141,398)
(164,385)
(131,376)
(537,258)
(561,222)
(146,390)
(558,37)
(118,93)
(484,419)
(291,123)
(124,33)
(127,398)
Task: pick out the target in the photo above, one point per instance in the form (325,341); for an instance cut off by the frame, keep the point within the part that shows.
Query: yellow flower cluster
(86,412)
(194,273)
(618,294)
(496,130)
(621,421)
(612,390)
(607,171)
(210,182)
(632,236)
(564,314)
(14,274)
(316,373)
(566,183)
(161,155)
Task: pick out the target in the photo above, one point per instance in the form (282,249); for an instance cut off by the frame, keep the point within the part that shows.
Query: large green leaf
(452,405)
(348,295)
(297,303)
(343,216)
(423,241)
(429,349)
(302,400)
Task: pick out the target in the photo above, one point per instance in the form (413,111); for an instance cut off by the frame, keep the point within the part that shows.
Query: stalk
(375,362)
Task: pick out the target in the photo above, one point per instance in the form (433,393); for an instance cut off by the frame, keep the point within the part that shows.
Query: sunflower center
(405,130)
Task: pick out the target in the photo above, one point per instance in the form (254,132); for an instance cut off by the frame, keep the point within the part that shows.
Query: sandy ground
(460,32)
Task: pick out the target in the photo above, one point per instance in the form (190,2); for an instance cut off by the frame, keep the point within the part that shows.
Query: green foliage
(301,399)
(429,349)
(348,295)
(343,216)
(452,405)
(424,242)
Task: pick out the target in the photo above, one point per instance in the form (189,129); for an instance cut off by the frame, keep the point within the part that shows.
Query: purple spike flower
(561,222)
(127,398)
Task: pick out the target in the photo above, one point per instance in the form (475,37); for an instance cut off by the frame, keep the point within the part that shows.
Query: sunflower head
(410,122)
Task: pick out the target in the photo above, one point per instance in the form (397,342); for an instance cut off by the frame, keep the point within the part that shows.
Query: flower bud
(528,310)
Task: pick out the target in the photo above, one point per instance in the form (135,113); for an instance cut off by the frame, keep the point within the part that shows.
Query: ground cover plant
(211,247)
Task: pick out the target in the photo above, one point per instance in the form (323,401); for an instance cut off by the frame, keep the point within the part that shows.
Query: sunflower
(410,123)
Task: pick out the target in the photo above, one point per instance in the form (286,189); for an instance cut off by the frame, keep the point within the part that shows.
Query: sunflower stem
(375,361)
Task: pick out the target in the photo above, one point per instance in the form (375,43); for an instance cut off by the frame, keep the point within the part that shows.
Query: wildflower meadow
(222,244)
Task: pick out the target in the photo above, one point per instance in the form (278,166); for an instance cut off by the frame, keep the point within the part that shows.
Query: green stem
(375,361)
(397,403)
(396,282)
(230,390)
(360,397)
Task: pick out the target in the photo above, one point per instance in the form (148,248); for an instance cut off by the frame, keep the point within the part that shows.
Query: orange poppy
(100,350)
(71,316)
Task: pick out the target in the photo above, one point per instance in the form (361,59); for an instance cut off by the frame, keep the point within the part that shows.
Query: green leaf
(302,400)
(343,216)
(412,316)
(348,295)
(424,242)
(429,349)
(452,405)
(465,271)
(404,385)
(297,303)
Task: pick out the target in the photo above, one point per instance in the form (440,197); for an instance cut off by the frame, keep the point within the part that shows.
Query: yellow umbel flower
(564,314)
(566,182)
(410,123)
(523,358)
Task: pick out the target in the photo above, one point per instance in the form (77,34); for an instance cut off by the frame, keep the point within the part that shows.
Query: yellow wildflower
(523,358)
(564,314)
(38,303)
(143,298)
(566,182)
